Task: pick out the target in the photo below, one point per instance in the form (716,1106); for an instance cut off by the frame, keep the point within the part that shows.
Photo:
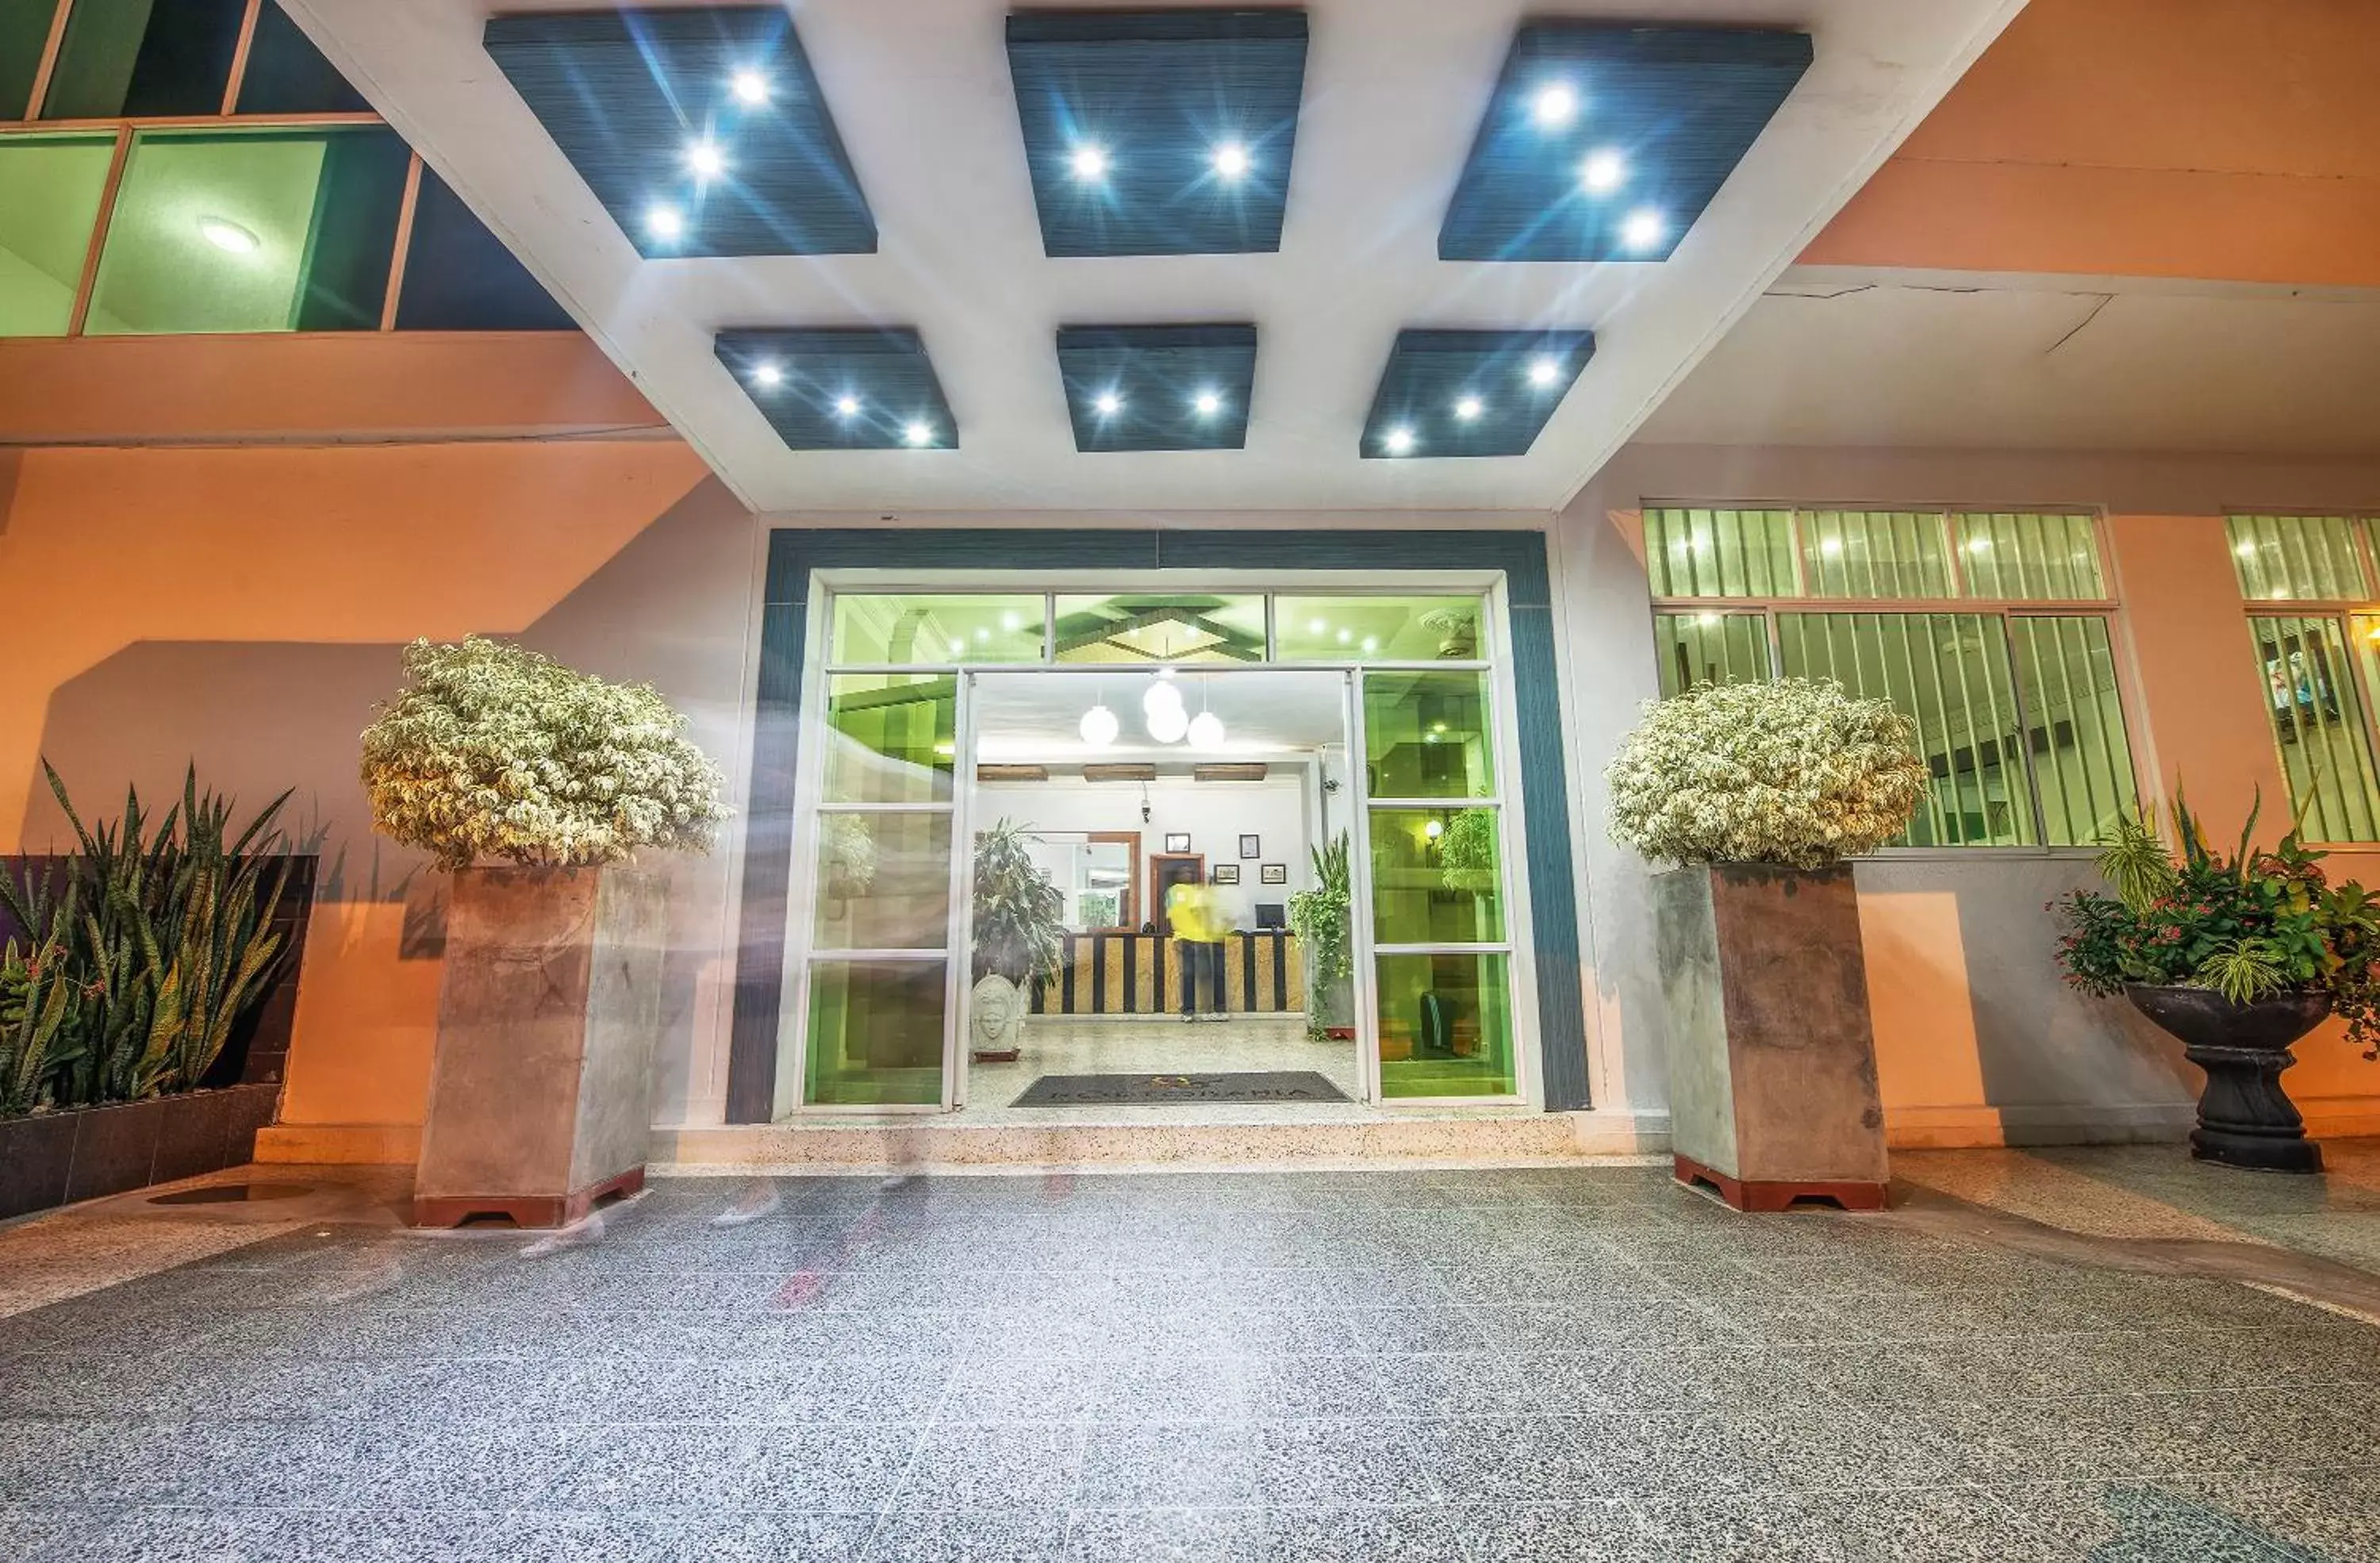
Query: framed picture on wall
(1251,846)
(1178,843)
(1227,873)
(1274,874)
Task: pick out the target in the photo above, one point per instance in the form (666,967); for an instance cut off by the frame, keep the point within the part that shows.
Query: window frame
(226,117)
(1770,609)
(2340,613)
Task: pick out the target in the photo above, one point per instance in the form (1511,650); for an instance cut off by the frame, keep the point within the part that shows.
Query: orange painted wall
(2213,139)
(320,550)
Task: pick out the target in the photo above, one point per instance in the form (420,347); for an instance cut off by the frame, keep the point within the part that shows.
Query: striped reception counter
(1124,973)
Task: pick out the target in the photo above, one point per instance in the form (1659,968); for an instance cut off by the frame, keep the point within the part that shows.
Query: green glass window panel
(50,192)
(458,276)
(875,1036)
(1446,1026)
(285,74)
(884,881)
(892,738)
(143,58)
(1425,735)
(24,33)
(1875,553)
(2020,556)
(2318,726)
(2298,558)
(2074,724)
(1698,649)
(251,232)
(1140,627)
(1720,552)
(1380,629)
(1951,673)
(1438,876)
(903,629)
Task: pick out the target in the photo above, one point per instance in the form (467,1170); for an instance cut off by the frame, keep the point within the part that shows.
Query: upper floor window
(2320,661)
(123,211)
(1997,643)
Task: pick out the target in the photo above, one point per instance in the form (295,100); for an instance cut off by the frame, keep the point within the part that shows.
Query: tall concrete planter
(1772,1055)
(540,1095)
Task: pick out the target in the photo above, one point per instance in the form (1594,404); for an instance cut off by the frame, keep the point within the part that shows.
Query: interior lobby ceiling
(1397,95)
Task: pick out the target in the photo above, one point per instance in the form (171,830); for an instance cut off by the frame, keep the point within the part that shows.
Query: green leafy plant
(494,751)
(1466,852)
(1019,915)
(158,931)
(1320,919)
(2247,924)
(1785,771)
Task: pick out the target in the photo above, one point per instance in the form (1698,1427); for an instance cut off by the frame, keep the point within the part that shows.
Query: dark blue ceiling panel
(1158,132)
(1471,392)
(1158,387)
(841,388)
(1606,142)
(701,131)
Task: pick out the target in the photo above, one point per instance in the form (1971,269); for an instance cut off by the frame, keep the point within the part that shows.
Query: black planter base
(2257,1153)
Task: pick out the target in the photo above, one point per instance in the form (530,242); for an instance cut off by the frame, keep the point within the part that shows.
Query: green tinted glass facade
(1378,629)
(50,192)
(893,739)
(875,1035)
(1698,647)
(1425,735)
(1150,628)
(251,232)
(138,59)
(1446,1026)
(909,629)
(1437,876)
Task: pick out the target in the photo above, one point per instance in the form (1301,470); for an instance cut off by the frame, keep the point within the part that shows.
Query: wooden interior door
(1166,870)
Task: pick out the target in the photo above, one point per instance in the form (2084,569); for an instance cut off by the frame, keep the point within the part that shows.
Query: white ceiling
(1266,714)
(1835,356)
(1394,92)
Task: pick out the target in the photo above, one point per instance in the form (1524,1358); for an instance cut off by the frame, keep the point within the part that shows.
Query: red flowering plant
(2250,925)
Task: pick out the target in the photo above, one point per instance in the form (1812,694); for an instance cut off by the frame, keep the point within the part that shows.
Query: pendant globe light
(1100,725)
(1159,695)
(1167,721)
(1206,728)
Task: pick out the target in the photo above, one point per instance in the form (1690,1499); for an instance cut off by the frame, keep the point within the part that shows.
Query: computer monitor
(1272,915)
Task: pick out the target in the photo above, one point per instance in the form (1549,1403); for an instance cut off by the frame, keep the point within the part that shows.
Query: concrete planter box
(548,1013)
(55,1158)
(1772,1055)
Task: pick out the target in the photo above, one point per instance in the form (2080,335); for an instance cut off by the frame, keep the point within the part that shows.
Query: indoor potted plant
(1756,792)
(535,786)
(1319,917)
(2239,956)
(1019,920)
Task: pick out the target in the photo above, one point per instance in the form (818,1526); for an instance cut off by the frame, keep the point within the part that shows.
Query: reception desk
(1122,974)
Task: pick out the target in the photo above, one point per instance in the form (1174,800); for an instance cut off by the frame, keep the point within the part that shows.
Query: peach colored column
(2200,709)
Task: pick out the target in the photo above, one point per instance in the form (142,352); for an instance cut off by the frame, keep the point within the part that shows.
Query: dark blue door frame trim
(794,552)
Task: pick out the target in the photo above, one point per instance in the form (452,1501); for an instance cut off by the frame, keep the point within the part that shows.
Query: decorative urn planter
(1772,1055)
(540,1092)
(2245,1119)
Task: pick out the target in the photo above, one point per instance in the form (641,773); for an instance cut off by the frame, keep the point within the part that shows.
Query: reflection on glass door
(1433,827)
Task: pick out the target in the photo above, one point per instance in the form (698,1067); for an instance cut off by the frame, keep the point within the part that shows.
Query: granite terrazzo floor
(1530,1366)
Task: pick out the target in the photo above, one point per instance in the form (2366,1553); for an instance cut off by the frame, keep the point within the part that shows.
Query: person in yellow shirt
(1200,921)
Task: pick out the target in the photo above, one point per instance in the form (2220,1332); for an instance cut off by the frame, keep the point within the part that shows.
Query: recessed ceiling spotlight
(1642,229)
(1602,171)
(1089,162)
(1399,441)
(767,374)
(1231,160)
(750,88)
(705,159)
(1107,403)
(847,405)
(666,222)
(1543,372)
(918,433)
(1554,106)
(1208,403)
(227,236)
(1466,408)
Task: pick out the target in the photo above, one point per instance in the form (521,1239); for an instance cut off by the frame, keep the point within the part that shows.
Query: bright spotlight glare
(1231,160)
(1400,441)
(1602,171)
(750,88)
(1554,105)
(1089,162)
(706,160)
(1467,408)
(919,434)
(1643,228)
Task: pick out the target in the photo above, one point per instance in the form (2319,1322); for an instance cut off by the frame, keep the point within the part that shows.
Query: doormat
(1159,1090)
